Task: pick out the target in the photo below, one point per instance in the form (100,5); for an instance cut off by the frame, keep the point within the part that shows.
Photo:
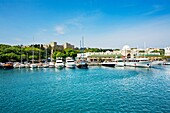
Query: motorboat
(27,65)
(51,64)
(45,65)
(16,65)
(33,65)
(1,65)
(40,65)
(8,65)
(82,64)
(21,66)
(59,63)
(70,63)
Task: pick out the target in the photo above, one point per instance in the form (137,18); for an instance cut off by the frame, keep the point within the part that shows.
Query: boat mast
(83,46)
(33,52)
(46,54)
(21,53)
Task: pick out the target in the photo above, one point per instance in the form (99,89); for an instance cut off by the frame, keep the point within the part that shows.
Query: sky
(102,23)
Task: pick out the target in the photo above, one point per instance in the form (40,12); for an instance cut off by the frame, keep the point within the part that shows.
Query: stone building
(67,45)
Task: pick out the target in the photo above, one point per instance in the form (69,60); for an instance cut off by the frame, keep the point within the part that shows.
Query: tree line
(10,53)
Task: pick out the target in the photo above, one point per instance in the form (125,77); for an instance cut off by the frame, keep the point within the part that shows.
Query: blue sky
(103,23)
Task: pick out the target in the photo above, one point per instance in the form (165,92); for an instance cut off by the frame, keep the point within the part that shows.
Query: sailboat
(33,65)
(82,63)
(17,64)
(45,65)
(21,64)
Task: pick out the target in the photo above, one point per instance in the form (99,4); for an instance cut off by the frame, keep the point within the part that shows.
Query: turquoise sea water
(97,89)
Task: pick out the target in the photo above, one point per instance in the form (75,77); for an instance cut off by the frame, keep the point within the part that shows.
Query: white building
(167,51)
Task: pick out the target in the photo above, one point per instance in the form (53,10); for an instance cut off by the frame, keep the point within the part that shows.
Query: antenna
(46,54)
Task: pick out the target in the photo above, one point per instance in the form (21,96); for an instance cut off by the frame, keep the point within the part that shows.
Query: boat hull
(82,66)
(59,66)
(70,65)
(33,66)
(8,67)
(109,65)
(139,64)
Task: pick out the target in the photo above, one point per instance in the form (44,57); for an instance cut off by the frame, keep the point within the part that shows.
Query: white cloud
(155,9)
(60,30)
(77,23)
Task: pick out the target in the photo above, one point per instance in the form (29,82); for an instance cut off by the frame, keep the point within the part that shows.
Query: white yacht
(138,62)
(70,63)
(59,63)
(133,62)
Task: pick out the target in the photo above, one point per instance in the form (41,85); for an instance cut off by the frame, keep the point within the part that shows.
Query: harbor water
(97,89)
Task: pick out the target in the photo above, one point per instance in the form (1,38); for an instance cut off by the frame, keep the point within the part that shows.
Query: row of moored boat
(135,62)
(69,63)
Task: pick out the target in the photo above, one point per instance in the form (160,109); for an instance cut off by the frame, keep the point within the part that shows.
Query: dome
(126,47)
